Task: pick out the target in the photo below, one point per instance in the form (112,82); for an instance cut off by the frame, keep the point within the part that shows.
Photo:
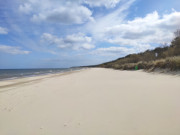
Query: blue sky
(65,33)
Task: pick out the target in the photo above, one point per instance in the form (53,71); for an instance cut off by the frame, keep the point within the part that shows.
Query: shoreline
(35,73)
(28,79)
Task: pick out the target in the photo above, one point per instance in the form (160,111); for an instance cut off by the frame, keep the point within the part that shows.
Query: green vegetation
(162,57)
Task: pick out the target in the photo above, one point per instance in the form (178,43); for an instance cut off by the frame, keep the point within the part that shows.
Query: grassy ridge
(162,57)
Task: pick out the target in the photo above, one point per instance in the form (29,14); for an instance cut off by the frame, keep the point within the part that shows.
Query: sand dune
(91,102)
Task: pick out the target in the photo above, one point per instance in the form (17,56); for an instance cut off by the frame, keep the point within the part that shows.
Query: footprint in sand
(41,128)
(65,125)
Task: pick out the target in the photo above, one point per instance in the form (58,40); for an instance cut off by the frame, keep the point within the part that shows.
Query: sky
(68,33)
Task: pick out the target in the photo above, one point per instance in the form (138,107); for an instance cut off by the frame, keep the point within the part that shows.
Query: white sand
(91,102)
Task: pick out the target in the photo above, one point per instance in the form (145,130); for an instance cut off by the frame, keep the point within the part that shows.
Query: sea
(9,74)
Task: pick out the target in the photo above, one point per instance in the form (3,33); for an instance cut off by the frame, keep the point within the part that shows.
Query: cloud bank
(75,41)
(153,28)
(139,34)
(12,50)
(113,28)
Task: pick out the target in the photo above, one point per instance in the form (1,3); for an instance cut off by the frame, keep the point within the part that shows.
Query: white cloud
(113,51)
(25,8)
(65,15)
(62,12)
(120,51)
(12,50)
(139,33)
(76,41)
(98,3)
(148,30)
(3,30)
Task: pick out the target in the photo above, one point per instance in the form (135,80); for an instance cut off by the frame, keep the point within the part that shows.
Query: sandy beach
(93,101)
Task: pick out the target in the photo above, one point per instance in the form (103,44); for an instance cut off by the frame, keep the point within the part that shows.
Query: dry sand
(91,102)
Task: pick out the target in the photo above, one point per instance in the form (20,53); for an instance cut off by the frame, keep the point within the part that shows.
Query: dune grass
(171,63)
